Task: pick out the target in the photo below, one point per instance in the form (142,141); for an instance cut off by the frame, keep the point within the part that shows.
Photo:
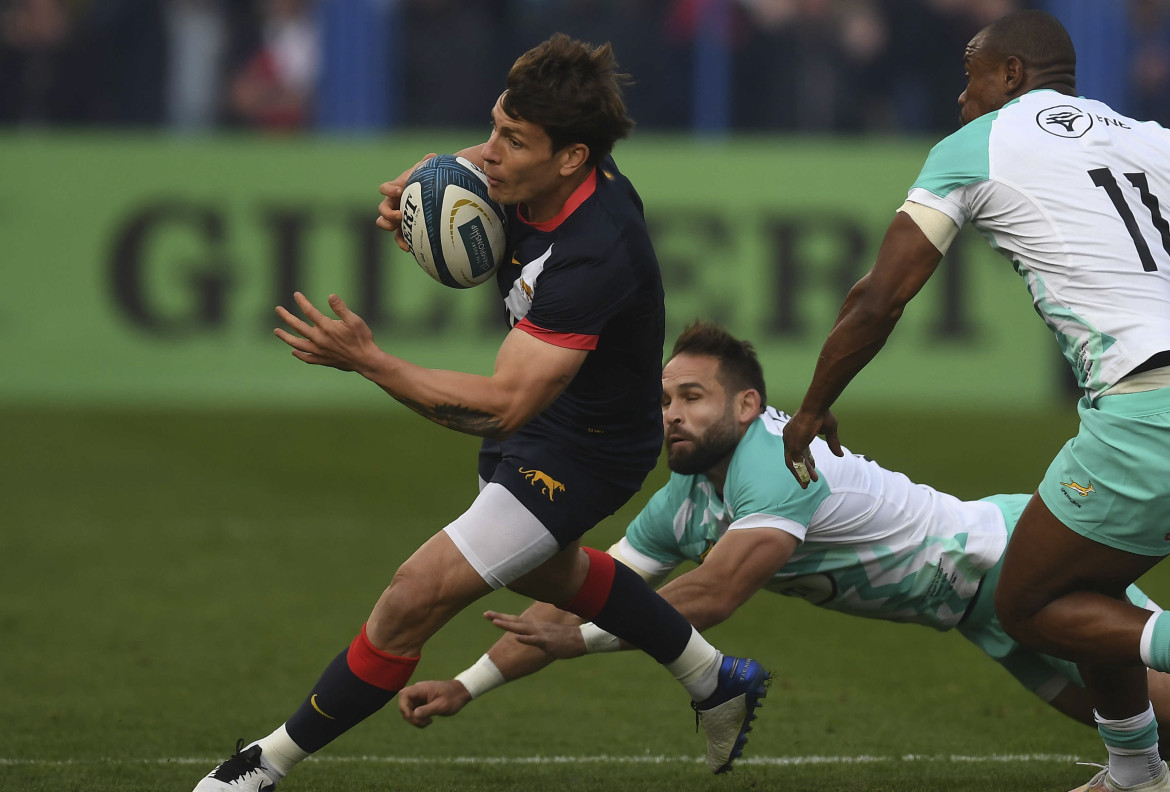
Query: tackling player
(569,416)
(861,539)
(1075,195)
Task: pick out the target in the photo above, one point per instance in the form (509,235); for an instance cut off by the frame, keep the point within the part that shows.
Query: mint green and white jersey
(872,542)
(1077,196)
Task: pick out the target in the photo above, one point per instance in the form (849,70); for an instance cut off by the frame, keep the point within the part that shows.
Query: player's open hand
(798,436)
(390,211)
(421,702)
(344,343)
(560,641)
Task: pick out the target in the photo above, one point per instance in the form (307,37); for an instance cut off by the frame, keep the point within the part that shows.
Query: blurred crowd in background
(282,66)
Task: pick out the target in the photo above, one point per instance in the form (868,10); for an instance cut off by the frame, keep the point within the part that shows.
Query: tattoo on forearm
(458,417)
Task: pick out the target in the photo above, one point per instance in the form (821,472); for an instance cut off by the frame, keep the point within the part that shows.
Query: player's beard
(707,450)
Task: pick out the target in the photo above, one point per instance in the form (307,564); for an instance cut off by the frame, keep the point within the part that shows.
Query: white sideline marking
(598,759)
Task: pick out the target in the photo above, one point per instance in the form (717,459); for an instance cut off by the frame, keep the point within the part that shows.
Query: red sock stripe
(594,592)
(375,667)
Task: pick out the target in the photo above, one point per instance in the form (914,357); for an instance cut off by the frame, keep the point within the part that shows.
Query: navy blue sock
(620,602)
(338,702)
(359,682)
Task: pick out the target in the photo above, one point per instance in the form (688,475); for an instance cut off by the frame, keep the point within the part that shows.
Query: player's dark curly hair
(739,368)
(574,91)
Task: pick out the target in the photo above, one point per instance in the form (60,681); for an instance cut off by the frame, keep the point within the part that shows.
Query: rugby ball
(455,232)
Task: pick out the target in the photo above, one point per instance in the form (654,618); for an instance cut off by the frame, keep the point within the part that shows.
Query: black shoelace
(240,764)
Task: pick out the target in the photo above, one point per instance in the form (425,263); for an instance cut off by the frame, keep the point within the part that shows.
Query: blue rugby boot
(728,714)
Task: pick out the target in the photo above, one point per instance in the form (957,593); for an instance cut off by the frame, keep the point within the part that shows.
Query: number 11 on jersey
(1103,177)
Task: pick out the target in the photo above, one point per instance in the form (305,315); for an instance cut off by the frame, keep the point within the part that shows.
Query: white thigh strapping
(501,538)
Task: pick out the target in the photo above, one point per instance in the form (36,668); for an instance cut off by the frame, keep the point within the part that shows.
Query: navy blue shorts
(566,495)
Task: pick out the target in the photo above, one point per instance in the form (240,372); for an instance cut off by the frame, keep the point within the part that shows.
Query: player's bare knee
(406,605)
(409,588)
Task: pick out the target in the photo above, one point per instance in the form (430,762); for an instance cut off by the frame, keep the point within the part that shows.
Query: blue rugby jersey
(589,279)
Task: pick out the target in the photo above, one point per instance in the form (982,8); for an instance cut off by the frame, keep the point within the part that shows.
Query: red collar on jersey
(576,199)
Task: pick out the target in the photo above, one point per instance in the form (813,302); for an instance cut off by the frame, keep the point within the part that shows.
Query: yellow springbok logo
(548,485)
(1082,491)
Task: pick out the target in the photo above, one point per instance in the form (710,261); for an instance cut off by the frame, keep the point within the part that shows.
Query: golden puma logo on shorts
(1080,490)
(548,485)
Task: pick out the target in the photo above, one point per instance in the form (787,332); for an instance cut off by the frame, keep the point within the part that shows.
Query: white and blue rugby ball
(454,230)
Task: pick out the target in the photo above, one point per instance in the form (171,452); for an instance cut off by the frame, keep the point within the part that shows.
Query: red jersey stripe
(566,340)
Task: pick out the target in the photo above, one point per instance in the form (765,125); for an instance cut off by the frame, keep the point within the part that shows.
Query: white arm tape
(598,640)
(481,677)
(938,228)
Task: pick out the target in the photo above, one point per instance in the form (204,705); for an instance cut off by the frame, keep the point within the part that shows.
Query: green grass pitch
(173,581)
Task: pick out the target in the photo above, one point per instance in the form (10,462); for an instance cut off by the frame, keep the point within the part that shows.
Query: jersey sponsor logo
(538,478)
(1080,489)
(313,702)
(1064,121)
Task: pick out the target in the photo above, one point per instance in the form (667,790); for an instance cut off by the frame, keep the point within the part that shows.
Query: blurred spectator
(802,64)
(919,76)
(156,63)
(40,64)
(453,61)
(805,66)
(197,33)
(1150,64)
(826,66)
(125,62)
(652,40)
(275,87)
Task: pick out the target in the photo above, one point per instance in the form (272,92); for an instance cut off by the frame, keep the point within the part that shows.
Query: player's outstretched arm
(739,565)
(529,373)
(556,640)
(509,658)
(517,653)
(421,702)
(905,261)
